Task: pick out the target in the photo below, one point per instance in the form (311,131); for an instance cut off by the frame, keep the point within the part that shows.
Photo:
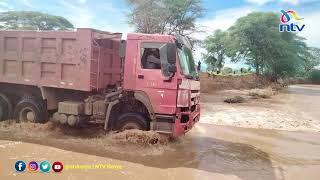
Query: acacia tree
(182,15)
(216,50)
(30,20)
(147,16)
(165,16)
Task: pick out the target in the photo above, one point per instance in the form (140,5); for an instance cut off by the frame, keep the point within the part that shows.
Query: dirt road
(207,152)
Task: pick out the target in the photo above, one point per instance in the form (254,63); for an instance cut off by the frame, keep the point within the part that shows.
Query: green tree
(314,76)
(165,16)
(216,50)
(311,59)
(29,20)
(256,39)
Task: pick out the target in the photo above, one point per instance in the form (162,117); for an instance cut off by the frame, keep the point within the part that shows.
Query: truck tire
(132,121)
(5,107)
(30,109)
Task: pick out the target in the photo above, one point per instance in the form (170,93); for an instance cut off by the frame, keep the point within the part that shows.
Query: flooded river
(207,152)
(294,109)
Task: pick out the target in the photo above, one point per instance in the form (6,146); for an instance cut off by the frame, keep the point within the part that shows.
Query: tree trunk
(257,69)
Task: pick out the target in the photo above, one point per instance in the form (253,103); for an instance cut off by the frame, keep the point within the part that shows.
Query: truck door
(161,92)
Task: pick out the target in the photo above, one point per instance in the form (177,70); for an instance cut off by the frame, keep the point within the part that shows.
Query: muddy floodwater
(208,151)
(293,109)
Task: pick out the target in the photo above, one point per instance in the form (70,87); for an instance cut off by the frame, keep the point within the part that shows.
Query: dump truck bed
(85,59)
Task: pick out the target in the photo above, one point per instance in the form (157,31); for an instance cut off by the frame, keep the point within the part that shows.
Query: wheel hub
(30,116)
(131,126)
(27,114)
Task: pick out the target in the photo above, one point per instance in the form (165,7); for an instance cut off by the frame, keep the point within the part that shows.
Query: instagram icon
(32,166)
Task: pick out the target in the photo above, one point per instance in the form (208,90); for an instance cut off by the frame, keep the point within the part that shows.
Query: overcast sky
(110,15)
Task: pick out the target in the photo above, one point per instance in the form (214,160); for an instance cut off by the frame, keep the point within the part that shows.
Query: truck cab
(160,71)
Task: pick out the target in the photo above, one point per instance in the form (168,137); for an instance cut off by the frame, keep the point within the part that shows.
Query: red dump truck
(146,82)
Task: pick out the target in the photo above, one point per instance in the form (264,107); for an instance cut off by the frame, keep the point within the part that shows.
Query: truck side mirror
(168,52)
(171,53)
(173,68)
(168,59)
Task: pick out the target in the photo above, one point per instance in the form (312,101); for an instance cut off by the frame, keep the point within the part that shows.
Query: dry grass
(261,93)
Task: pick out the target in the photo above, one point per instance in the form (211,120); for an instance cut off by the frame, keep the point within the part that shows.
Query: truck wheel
(5,107)
(30,109)
(132,121)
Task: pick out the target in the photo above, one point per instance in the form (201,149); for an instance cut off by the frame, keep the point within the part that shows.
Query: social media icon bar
(33,166)
(20,166)
(57,166)
(44,166)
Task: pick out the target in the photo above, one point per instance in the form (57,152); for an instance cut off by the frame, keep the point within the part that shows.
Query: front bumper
(182,126)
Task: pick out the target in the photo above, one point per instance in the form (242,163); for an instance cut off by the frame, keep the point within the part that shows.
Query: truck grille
(193,108)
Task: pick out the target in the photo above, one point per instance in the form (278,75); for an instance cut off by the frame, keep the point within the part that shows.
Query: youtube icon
(57,166)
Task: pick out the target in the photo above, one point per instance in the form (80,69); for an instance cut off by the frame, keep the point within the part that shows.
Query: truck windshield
(187,63)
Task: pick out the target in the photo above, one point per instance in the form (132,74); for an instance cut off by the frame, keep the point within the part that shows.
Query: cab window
(150,58)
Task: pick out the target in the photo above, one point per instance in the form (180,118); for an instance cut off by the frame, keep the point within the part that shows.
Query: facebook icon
(20,166)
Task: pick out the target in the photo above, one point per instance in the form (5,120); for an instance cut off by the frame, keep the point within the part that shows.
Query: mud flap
(111,104)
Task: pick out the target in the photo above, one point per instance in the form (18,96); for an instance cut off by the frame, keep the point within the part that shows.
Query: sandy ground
(207,152)
(294,109)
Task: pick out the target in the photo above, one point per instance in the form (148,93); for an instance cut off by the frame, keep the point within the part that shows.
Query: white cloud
(27,3)
(311,30)
(197,53)
(82,1)
(79,15)
(293,2)
(3,4)
(221,20)
(82,15)
(259,2)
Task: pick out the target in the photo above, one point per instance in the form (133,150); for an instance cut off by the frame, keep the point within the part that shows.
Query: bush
(314,76)
(235,99)
(227,70)
(262,93)
(244,70)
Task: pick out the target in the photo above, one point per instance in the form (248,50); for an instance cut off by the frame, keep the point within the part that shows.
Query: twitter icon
(45,166)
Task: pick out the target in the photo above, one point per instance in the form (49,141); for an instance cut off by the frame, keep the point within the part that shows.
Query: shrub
(235,99)
(314,76)
(227,70)
(262,93)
